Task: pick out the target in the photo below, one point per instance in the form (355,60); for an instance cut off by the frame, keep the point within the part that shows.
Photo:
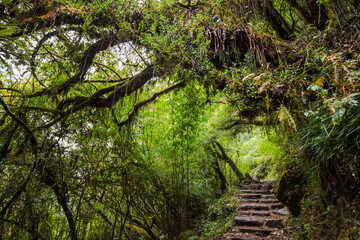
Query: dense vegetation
(135,119)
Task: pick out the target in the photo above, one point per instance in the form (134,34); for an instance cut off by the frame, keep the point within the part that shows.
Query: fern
(285,117)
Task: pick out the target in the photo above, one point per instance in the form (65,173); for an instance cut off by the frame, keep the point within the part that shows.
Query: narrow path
(259,215)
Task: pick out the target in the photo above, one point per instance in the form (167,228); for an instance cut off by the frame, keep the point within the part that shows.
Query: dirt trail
(259,215)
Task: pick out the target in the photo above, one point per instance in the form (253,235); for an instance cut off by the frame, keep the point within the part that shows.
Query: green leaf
(9,29)
(6,2)
(5,32)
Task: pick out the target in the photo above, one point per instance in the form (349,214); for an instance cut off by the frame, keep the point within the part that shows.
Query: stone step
(256,191)
(269,196)
(254,207)
(246,237)
(262,191)
(248,201)
(269,201)
(245,213)
(250,196)
(260,213)
(252,186)
(249,221)
(274,223)
(246,191)
(257,230)
(254,213)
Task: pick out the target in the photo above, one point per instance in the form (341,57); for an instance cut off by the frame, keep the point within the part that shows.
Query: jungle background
(138,119)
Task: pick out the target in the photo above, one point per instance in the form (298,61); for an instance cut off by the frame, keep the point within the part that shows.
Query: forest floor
(259,214)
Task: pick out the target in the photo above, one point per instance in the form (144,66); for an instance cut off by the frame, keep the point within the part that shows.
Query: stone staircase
(259,215)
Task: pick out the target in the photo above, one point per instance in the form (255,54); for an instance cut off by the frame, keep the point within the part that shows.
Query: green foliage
(108,107)
(7,30)
(254,150)
(333,136)
(219,215)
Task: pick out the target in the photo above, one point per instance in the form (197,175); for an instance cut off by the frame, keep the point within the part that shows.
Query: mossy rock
(289,190)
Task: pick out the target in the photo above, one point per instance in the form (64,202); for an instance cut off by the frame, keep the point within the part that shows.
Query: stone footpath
(259,215)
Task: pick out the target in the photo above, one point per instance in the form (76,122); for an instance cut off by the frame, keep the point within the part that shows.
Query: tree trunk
(60,193)
(223,183)
(228,160)
(316,14)
(277,22)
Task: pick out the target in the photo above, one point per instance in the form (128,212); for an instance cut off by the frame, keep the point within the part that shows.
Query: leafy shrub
(219,216)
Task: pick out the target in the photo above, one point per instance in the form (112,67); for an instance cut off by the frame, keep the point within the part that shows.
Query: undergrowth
(330,209)
(219,216)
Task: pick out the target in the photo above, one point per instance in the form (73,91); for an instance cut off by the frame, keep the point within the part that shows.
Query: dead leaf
(25,21)
(48,15)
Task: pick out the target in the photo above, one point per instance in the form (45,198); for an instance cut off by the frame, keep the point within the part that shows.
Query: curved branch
(153,98)
(96,100)
(33,55)
(40,44)
(21,122)
(118,91)
(223,156)
(11,89)
(103,65)
(84,65)
(106,81)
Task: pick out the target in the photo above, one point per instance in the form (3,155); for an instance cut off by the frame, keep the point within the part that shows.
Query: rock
(268,185)
(247,237)
(249,221)
(274,223)
(281,211)
(276,206)
(289,190)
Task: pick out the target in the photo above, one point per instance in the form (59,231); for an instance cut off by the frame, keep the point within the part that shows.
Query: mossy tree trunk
(220,154)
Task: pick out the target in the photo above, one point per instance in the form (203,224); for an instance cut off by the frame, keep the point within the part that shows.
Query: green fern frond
(285,117)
